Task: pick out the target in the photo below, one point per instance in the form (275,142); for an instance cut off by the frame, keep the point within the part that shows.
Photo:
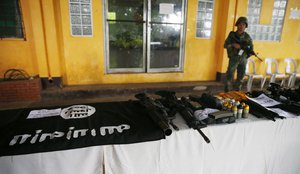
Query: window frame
(271,32)
(109,70)
(146,44)
(205,18)
(21,25)
(81,2)
(182,24)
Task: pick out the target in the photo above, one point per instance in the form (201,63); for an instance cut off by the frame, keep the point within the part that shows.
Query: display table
(249,146)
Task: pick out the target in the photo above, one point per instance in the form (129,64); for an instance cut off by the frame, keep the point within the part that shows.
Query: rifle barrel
(203,135)
(258,57)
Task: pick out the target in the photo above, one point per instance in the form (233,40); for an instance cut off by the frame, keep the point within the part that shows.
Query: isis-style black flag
(24,131)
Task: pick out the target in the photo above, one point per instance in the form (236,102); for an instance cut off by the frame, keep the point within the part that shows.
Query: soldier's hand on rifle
(252,54)
(236,46)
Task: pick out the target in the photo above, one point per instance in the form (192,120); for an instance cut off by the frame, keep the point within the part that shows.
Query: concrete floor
(70,95)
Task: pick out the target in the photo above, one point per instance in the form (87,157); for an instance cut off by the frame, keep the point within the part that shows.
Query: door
(144,36)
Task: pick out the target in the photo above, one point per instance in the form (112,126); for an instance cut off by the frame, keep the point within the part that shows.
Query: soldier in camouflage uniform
(238,45)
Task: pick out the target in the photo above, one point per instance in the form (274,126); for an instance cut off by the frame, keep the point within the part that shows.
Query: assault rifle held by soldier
(248,50)
(157,112)
(169,99)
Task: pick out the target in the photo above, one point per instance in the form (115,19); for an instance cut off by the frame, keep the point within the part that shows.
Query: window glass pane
(207,25)
(282,4)
(125,45)
(209,6)
(76,30)
(275,12)
(80,17)
(264,29)
(75,19)
(271,36)
(166,11)
(201,6)
(165,39)
(280,21)
(201,15)
(85,9)
(200,33)
(276,4)
(274,21)
(86,19)
(209,16)
(204,18)
(277,36)
(207,33)
(87,30)
(74,8)
(281,12)
(258,28)
(256,20)
(256,11)
(278,28)
(138,43)
(266,32)
(264,36)
(200,24)
(10,19)
(126,10)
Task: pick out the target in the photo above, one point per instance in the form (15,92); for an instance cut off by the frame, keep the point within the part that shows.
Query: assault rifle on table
(245,46)
(283,96)
(156,111)
(260,111)
(207,101)
(194,106)
(169,99)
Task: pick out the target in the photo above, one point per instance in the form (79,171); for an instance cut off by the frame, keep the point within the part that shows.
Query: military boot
(238,86)
(228,86)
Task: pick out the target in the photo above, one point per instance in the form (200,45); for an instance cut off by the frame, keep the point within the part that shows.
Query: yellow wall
(50,51)
(202,54)
(17,53)
(84,56)
(32,53)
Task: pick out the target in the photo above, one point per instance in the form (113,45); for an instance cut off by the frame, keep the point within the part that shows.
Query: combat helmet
(243,20)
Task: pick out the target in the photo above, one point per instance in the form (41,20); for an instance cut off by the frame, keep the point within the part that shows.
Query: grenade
(237,103)
(240,111)
(229,106)
(225,104)
(234,111)
(246,111)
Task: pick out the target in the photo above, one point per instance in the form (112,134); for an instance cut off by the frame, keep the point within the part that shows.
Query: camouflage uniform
(236,61)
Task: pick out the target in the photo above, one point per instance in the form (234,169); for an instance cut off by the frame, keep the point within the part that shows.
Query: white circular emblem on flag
(77,111)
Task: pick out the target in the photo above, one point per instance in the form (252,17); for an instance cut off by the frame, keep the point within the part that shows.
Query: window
(270,32)
(204,18)
(11,24)
(144,36)
(81,17)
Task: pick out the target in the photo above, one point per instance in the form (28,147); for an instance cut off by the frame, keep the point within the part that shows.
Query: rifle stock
(156,111)
(170,100)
